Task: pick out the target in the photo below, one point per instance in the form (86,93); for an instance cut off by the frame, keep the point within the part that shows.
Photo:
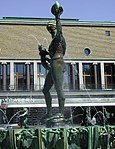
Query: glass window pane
(66,79)
(88,75)
(109,75)
(0,69)
(20,76)
(41,71)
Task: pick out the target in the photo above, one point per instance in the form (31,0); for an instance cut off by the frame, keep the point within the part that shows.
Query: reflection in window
(24,78)
(31,70)
(76,77)
(20,76)
(109,75)
(1,77)
(107,33)
(87,51)
(7,75)
(92,76)
(41,75)
(71,76)
(88,76)
(66,78)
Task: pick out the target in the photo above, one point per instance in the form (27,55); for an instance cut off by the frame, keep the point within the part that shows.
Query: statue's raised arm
(57,10)
(58,44)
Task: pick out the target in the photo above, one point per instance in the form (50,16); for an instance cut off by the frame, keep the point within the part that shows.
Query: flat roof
(44,21)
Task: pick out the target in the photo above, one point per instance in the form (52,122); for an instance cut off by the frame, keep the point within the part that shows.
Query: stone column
(12,76)
(35,76)
(28,75)
(95,74)
(73,75)
(4,75)
(102,76)
(81,86)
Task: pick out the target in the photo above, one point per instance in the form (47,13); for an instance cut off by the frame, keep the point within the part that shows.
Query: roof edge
(44,21)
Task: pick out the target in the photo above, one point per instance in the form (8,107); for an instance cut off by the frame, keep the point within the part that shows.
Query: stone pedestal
(55,121)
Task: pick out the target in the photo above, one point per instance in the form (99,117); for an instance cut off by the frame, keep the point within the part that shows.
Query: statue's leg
(47,86)
(58,75)
(60,94)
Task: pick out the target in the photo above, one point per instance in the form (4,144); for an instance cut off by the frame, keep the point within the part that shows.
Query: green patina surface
(76,137)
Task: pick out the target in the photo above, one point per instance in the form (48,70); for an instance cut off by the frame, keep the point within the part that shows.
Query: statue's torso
(57,47)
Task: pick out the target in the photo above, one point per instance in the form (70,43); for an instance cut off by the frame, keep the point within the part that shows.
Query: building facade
(90,61)
(90,58)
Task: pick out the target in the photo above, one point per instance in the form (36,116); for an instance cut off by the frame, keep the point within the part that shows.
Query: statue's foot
(44,119)
(58,115)
(56,120)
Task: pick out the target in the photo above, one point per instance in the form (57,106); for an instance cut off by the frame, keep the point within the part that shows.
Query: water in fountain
(85,89)
(33,36)
(4,114)
(12,125)
(45,41)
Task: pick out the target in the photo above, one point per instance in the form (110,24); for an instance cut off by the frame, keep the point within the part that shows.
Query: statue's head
(51,27)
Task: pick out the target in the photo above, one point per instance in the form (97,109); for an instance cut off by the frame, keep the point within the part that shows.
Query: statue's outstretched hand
(57,9)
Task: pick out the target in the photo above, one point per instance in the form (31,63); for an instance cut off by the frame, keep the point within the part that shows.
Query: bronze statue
(55,64)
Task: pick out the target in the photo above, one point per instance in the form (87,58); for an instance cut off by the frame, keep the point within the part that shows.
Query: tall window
(23,76)
(66,78)
(92,76)
(88,76)
(8,76)
(76,76)
(31,69)
(20,76)
(41,75)
(109,75)
(1,77)
(71,77)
